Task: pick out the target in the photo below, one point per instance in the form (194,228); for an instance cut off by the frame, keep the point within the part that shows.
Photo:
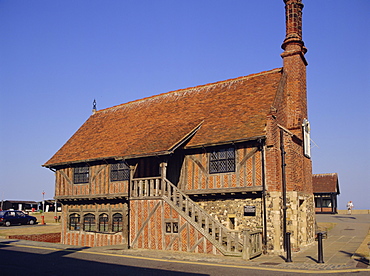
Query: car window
(20,214)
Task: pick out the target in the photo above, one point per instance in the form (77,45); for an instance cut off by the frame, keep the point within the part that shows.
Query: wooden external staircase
(246,244)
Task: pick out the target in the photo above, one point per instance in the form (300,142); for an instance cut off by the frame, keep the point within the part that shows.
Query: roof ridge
(188,89)
(324,174)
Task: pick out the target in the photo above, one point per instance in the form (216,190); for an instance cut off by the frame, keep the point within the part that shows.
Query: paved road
(339,248)
(20,258)
(345,237)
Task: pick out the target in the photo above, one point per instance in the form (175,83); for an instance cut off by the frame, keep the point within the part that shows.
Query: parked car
(8,218)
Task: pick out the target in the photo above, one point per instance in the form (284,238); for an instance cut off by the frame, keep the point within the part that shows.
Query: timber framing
(91,198)
(225,192)
(214,168)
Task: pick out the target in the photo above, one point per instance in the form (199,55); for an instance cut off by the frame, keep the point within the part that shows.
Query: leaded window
(119,172)
(81,175)
(74,222)
(168,227)
(172,227)
(89,223)
(222,161)
(117,223)
(103,223)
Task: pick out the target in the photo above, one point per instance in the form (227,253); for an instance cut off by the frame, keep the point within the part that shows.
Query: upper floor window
(81,175)
(222,161)
(89,222)
(74,222)
(117,223)
(119,171)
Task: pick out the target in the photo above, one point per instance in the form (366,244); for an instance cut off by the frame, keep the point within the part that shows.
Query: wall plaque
(249,210)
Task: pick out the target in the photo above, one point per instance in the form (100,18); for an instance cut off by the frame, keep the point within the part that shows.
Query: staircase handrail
(200,208)
(161,187)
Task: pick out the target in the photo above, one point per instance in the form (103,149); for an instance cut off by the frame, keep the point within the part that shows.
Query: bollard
(287,246)
(320,249)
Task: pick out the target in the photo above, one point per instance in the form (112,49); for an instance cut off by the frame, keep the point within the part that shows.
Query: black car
(16,217)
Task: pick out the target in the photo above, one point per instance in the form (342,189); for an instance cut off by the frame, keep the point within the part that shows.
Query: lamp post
(43,208)
(55,211)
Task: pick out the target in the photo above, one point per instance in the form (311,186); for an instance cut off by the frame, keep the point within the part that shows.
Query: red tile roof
(325,183)
(226,111)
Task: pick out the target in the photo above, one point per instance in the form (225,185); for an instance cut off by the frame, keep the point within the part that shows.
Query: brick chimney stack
(294,64)
(293,13)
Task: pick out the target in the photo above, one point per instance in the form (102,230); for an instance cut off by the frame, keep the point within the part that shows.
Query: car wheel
(31,222)
(7,223)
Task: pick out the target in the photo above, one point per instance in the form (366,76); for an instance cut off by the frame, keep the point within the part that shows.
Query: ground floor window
(103,223)
(322,202)
(117,222)
(172,227)
(74,222)
(89,223)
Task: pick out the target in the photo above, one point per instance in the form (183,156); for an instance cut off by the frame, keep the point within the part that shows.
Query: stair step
(200,218)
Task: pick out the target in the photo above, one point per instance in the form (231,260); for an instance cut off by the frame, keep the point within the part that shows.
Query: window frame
(222,160)
(117,222)
(103,223)
(89,222)
(76,224)
(119,171)
(171,226)
(81,174)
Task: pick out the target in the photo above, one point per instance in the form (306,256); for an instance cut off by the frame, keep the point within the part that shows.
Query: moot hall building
(221,168)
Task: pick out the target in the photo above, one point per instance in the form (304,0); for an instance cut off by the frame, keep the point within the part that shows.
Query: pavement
(339,250)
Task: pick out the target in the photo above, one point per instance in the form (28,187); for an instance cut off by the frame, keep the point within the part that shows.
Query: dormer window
(119,172)
(81,175)
(222,161)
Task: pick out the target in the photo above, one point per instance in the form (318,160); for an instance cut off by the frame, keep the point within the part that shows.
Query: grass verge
(32,229)
(363,250)
(326,226)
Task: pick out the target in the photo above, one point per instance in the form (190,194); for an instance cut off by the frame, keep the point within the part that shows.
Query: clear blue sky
(56,57)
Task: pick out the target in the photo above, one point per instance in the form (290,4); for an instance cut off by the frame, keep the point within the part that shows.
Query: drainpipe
(264,236)
(282,150)
(129,187)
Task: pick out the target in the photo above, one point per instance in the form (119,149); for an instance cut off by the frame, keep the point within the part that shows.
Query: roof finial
(94,107)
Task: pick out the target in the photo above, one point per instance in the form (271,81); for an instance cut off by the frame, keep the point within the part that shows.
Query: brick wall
(94,238)
(99,183)
(195,176)
(148,229)
(50,237)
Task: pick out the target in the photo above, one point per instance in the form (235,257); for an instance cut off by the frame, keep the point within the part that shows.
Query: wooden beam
(224,191)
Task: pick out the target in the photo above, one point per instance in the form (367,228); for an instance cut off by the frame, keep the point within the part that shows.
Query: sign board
(306,138)
(249,210)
